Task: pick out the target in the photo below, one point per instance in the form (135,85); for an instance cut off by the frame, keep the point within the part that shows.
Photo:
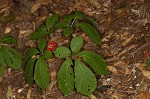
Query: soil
(124,26)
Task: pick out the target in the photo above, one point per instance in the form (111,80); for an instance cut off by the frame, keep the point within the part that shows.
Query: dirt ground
(124,26)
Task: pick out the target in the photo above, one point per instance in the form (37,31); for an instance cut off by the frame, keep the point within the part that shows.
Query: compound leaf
(7,39)
(29,53)
(62,52)
(95,61)
(66,77)
(29,70)
(76,15)
(85,81)
(90,31)
(68,31)
(2,68)
(12,57)
(2,63)
(41,74)
(47,54)
(51,21)
(76,44)
(79,15)
(39,33)
(42,44)
(61,25)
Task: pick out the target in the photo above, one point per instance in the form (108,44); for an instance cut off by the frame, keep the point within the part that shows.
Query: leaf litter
(124,28)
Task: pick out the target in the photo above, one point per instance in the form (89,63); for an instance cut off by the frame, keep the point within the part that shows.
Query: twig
(139,48)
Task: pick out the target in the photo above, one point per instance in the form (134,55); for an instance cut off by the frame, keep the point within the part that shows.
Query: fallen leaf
(143,95)
(29,94)
(10,93)
(126,41)
(112,69)
(92,97)
(38,3)
(94,3)
(51,85)
(146,73)
(122,67)
(53,75)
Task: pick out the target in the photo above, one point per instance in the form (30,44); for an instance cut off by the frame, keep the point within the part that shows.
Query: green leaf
(61,25)
(2,63)
(2,69)
(41,74)
(39,33)
(42,44)
(90,31)
(29,53)
(69,18)
(51,21)
(68,31)
(47,54)
(79,15)
(96,62)
(29,70)
(85,81)
(76,44)
(91,20)
(62,52)
(66,77)
(7,39)
(12,57)
(76,15)
(147,67)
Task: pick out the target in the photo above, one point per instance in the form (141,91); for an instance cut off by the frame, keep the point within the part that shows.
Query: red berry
(51,46)
(54,45)
(52,42)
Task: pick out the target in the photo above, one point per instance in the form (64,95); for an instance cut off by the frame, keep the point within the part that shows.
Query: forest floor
(124,26)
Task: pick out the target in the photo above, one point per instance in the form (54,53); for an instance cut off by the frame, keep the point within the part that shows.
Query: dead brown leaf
(38,3)
(94,3)
(126,41)
(29,94)
(112,69)
(146,73)
(122,67)
(143,95)
(92,97)
(10,93)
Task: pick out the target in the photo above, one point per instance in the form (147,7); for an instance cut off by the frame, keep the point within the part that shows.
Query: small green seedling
(74,72)
(9,56)
(35,63)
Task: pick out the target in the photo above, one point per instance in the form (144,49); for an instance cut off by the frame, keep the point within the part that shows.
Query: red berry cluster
(51,46)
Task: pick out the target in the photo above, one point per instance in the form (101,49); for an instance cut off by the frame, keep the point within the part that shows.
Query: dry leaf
(146,73)
(122,67)
(51,85)
(94,3)
(10,93)
(29,94)
(38,3)
(112,69)
(92,97)
(143,95)
(126,41)
(84,97)
(53,75)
